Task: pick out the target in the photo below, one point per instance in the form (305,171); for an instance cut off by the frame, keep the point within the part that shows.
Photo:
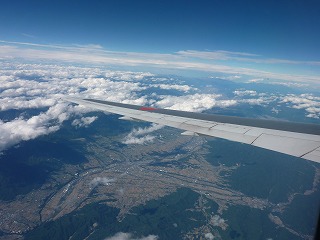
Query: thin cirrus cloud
(215,61)
(240,56)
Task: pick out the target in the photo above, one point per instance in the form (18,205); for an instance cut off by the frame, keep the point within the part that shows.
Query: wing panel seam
(309,152)
(256,138)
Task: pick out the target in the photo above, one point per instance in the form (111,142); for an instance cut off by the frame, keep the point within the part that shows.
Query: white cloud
(313,115)
(253,97)
(142,131)
(256,101)
(299,102)
(40,86)
(37,86)
(226,103)
(310,97)
(130,139)
(242,93)
(218,221)
(183,88)
(128,236)
(83,122)
(20,129)
(233,77)
(255,80)
(193,103)
(22,102)
(135,136)
(217,61)
(101,181)
(313,110)
(308,102)
(274,110)
(56,81)
(209,236)
(127,76)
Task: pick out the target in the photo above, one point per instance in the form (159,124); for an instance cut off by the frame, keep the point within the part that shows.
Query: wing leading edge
(296,139)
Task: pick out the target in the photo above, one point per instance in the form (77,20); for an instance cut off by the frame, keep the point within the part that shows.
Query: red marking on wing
(147,108)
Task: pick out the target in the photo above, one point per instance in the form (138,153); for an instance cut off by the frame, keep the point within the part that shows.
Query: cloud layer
(206,61)
(39,87)
(34,86)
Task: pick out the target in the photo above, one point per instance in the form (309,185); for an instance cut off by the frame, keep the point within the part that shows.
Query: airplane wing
(296,139)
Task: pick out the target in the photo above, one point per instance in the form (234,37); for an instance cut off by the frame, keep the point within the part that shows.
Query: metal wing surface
(296,139)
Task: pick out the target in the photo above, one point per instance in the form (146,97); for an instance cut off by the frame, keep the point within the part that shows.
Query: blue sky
(266,31)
